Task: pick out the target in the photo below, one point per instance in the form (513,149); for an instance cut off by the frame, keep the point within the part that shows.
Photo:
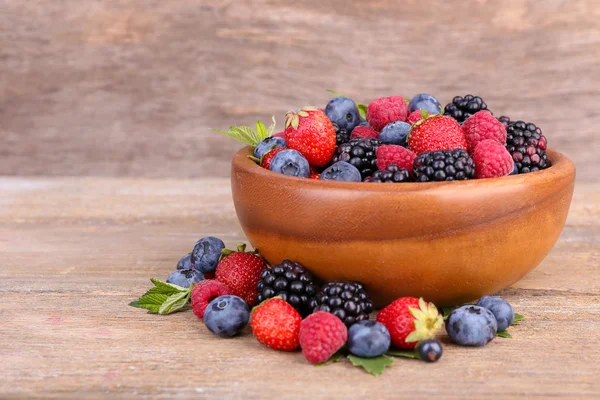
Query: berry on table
(341,171)
(424,101)
(501,309)
(290,162)
(492,160)
(368,339)
(241,272)
(348,301)
(389,154)
(267,145)
(384,110)
(395,133)
(364,132)
(185,277)
(265,161)
(436,133)
(206,254)
(226,315)
(527,145)
(204,292)
(321,335)
(185,262)
(276,324)
(341,135)
(392,174)
(310,132)
(430,350)
(359,152)
(471,326)
(343,112)
(481,126)
(462,108)
(447,165)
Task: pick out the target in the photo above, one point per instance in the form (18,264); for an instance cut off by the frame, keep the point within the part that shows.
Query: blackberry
(505,121)
(290,281)
(348,301)
(359,152)
(527,145)
(341,134)
(444,165)
(462,108)
(392,174)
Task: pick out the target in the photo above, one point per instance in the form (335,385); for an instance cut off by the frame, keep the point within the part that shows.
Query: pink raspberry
(491,160)
(389,154)
(204,292)
(481,126)
(384,110)
(321,335)
(365,132)
(414,117)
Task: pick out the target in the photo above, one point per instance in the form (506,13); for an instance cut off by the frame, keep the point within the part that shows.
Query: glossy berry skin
(343,112)
(341,135)
(492,160)
(392,174)
(341,171)
(481,126)
(447,165)
(393,154)
(226,315)
(430,350)
(290,162)
(241,272)
(267,145)
(314,136)
(349,301)
(384,110)
(321,335)
(368,339)
(185,262)
(265,161)
(359,152)
(501,309)
(424,101)
(276,324)
(206,254)
(462,108)
(436,133)
(185,277)
(204,292)
(395,133)
(527,145)
(471,326)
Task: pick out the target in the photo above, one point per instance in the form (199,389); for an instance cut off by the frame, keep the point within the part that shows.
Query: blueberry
(185,262)
(364,123)
(424,101)
(185,277)
(341,171)
(226,315)
(267,145)
(206,253)
(395,133)
(290,162)
(515,169)
(368,339)
(500,308)
(471,326)
(343,112)
(430,350)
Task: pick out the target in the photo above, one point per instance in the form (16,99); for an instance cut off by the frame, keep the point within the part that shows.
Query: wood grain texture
(130,87)
(75,251)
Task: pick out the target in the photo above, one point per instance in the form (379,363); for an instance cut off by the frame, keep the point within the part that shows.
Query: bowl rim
(561,167)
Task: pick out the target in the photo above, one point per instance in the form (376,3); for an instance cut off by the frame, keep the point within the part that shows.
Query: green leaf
(518,319)
(403,353)
(174,303)
(166,288)
(374,366)
(445,311)
(504,334)
(336,93)
(336,357)
(362,110)
(424,114)
(407,100)
(154,299)
(261,130)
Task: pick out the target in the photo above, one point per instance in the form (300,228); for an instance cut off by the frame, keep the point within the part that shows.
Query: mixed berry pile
(288,309)
(425,142)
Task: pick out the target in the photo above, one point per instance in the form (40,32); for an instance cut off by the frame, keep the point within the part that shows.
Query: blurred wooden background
(130,87)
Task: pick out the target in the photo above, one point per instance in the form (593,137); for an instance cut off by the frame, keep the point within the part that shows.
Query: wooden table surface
(75,251)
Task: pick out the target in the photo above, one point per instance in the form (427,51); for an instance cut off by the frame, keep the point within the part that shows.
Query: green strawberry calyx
(293,118)
(428,322)
(248,135)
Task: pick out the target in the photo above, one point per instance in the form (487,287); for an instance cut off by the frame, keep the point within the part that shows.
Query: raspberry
(204,292)
(389,154)
(365,132)
(321,335)
(491,159)
(414,117)
(384,110)
(481,126)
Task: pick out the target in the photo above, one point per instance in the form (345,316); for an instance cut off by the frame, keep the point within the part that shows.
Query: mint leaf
(151,302)
(247,135)
(166,288)
(504,334)
(362,110)
(336,357)
(336,93)
(374,366)
(403,353)
(154,300)
(518,319)
(175,302)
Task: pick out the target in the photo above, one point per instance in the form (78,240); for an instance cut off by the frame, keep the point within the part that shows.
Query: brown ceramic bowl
(448,242)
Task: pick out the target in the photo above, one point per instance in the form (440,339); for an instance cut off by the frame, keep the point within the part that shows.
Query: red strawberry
(276,324)
(314,173)
(481,126)
(267,158)
(389,154)
(321,335)
(437,132)
(491,159)
(384,110)
(241,272)
(410,320)
(204,292)
(365,132)
(310,132)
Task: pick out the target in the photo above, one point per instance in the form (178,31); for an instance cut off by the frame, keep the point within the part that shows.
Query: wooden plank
(130,88)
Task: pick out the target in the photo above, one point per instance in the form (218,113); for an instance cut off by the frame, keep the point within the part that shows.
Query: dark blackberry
(348,301)
(359,152)
(527,145)
(505,121)
(444,165)
(290,281)
(462,108)
(392,174)
(341,134)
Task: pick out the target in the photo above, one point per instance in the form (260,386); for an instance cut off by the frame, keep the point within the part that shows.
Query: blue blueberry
(430,350)
(206,253)
(267,145)
(290,162)
(368,339)
(185,262)
(471,326)
(515,170)
(364,123)
(395,133)
(341,171)
(343,112)
(424,101)
(185,277)
(226,315)
(500,308)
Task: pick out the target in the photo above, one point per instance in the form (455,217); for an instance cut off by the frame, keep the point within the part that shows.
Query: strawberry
(410,320)
(310,132)
(437,132)
(314,173)
(276,324)
(241,272)
(265,162)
